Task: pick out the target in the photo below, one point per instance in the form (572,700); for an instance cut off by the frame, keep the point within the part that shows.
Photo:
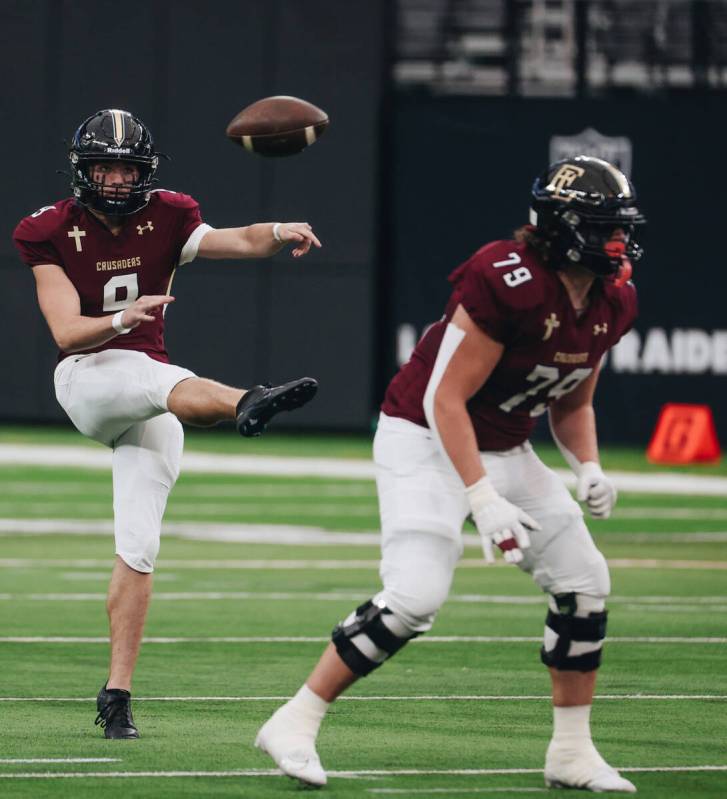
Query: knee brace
(370,635)
(575,628)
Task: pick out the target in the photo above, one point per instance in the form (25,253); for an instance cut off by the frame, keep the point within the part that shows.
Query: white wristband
(480,494)
(276,232)
(118,325)
(589,469)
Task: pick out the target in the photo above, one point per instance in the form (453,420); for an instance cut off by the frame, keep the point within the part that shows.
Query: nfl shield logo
(614,149)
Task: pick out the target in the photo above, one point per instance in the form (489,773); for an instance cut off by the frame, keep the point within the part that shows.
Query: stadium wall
(463,177)
(186,68)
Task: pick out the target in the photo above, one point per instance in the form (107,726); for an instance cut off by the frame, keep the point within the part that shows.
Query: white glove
(499,522)
(596,490)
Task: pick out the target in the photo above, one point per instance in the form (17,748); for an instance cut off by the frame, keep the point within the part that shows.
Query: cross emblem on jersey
(147,226)
(550,325)
(600,328)
(77,235)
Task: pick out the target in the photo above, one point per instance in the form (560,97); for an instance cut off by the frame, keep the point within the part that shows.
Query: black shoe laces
(116,711)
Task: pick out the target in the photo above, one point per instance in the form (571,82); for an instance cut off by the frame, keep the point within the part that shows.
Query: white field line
(644,512)
(256,533)
(337,565)
(236,490)
(418,698)
(5,760)
(83,494)
(290,639)
(92,457)
(207,510)
(410,772)
(280,508)
(224,565)
(662,604)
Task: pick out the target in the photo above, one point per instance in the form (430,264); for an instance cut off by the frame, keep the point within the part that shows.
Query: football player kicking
(103,263)
(524,331)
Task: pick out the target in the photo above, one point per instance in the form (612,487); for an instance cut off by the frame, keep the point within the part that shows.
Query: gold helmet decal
(564,178)
(119,126)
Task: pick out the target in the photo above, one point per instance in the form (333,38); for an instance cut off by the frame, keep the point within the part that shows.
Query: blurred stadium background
(442,112)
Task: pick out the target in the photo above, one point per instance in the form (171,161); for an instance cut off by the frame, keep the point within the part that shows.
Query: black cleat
(258,406)
(114,713)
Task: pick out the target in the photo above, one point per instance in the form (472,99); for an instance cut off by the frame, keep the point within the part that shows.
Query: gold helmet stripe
(119,121)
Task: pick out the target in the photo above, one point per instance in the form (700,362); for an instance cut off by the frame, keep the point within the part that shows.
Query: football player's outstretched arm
(573,425)
(257,241)
(72,332)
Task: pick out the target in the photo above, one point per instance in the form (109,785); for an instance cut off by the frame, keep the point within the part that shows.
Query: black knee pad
(382,642)
(571,629)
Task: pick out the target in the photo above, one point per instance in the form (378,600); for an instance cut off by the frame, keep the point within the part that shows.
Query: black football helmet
(577,204)
(112,135)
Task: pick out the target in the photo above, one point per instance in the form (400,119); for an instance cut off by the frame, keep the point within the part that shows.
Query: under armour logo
(600,328)
(77,235)
(550,325)
(147,226)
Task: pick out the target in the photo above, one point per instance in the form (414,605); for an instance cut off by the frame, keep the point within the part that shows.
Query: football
(278,126)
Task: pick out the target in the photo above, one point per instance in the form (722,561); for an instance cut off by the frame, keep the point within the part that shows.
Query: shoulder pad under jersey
(173,198)
(43,223)
(513,273)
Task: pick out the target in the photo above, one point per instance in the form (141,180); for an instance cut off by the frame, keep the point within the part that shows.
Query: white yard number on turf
(544,377)
(128,282)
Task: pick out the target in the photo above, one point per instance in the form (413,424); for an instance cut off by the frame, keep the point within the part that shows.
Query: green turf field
(444,718)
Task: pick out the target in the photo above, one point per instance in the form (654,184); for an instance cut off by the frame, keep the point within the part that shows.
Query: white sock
(308,709)
(572,725)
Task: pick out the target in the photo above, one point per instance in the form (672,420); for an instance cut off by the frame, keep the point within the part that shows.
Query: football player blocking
(524,332)
(103,262)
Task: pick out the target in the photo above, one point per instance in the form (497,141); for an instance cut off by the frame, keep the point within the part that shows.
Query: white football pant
(119,398)
(423,506)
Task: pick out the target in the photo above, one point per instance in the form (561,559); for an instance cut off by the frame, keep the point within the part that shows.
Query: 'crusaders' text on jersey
(109,271)
(548,348)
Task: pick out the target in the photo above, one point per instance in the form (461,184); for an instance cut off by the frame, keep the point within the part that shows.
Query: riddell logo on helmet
(119,150)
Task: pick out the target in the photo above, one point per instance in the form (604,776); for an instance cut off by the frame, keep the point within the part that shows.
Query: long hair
(530,236)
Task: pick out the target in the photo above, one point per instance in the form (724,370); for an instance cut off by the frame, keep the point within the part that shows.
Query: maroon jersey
(549,350)
(109,272)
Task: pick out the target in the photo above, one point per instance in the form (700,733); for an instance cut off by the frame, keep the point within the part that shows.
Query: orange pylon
(684,434)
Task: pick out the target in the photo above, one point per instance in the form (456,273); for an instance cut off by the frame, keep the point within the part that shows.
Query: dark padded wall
(186,68)
(464,167)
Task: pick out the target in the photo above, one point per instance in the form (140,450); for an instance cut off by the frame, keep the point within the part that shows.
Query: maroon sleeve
(184,209)
(34,253)
(191,220)
(478,298)
(32,237)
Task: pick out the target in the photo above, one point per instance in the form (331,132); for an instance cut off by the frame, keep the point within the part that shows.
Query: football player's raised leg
(417,571)
(202,402)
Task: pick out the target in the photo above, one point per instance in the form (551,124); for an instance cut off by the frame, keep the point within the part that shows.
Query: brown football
(278,126)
